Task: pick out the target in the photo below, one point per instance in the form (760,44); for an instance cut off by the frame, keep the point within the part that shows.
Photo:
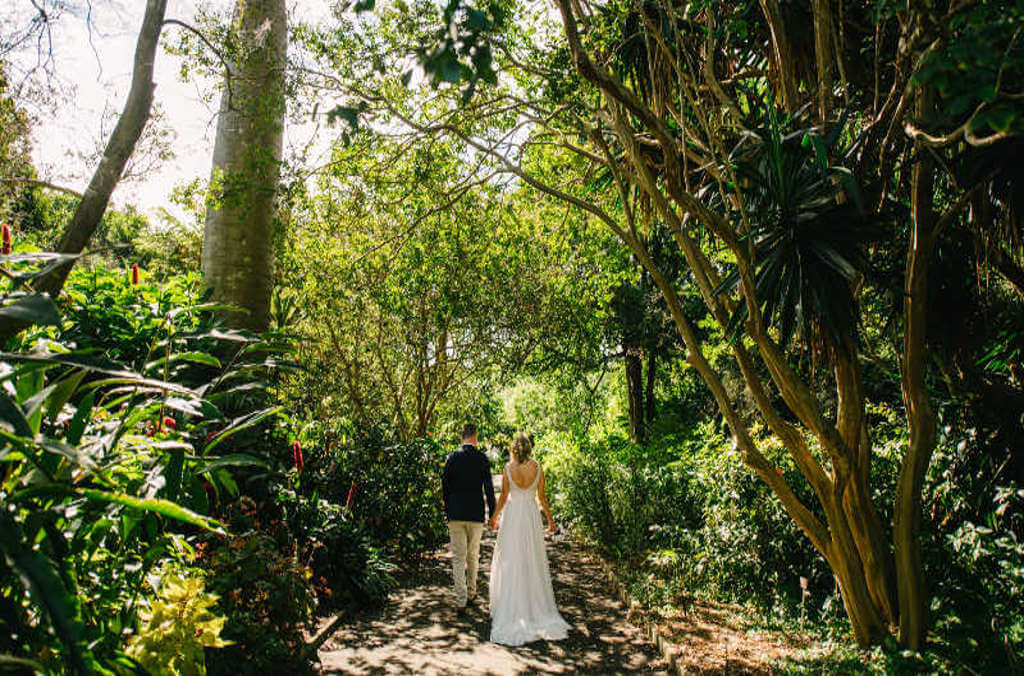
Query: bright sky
(94,69)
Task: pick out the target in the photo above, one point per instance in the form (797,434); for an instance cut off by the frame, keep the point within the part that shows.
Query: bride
(522,600)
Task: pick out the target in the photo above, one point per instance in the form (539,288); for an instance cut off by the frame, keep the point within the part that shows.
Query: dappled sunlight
(419,631)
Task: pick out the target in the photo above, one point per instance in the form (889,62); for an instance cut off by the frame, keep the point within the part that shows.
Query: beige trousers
(465,537)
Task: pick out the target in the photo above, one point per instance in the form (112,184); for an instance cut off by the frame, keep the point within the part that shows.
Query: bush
(617,494)
(685,516)
(107,471)
(265,593)
(349,569)
(176,626)
(397,494)
(686,510)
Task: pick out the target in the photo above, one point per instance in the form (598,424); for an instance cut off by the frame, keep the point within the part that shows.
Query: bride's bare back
(523,474)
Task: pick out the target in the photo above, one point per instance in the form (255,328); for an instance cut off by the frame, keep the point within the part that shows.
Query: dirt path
(419,632)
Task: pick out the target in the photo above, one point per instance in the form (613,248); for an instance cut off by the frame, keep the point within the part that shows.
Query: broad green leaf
(33,406)
(233,460)
(47,588)
(193,357)
(171,510)
(12,414)
(172,474)
(77,425)
(153,385)
(34,308)
(74,454)
(67,387)
(238,425)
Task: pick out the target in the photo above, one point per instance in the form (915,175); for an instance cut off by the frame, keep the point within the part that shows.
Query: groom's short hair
(468,430)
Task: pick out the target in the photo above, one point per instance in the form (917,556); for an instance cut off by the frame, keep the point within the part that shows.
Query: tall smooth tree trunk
(120,146)
(649,390)
(238,251)
(823,56)
(635,392)
(910,582)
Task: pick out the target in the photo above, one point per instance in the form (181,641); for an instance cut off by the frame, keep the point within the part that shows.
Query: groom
(467,476)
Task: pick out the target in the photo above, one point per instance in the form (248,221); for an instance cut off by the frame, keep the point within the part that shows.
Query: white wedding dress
(522,600)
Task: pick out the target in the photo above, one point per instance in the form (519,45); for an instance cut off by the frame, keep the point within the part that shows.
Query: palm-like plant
(809,233)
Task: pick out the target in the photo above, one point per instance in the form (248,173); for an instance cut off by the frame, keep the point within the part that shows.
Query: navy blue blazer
(466,478)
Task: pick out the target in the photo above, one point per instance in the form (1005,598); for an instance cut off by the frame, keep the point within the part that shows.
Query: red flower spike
(170,423)
(297,456)
(135,274)
(351,496)
(6,236)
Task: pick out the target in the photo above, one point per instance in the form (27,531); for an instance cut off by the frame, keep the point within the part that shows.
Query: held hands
(492,523)
(552,526)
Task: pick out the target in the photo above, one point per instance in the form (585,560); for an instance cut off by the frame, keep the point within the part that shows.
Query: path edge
(667,648)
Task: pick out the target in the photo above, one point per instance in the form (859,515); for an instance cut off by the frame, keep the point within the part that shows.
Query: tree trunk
(865,619)
(911,587)
(238,252)
(864,519)
(649,393)
(635,392)
(823,56)
(120,146)
(1008,268)
(782,54)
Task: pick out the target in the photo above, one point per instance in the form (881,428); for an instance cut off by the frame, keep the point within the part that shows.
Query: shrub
(397,483)
(265,593)
(617,494)
(176,625)
(349,569)
(105,469)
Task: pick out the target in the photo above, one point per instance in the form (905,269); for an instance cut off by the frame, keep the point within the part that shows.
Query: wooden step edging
(667,649)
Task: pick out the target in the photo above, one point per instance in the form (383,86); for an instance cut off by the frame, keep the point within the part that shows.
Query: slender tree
(120,146)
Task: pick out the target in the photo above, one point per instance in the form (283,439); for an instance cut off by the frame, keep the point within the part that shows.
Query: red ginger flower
(135,274)
(6,236)
(297,456)
(170,423)
(351,496)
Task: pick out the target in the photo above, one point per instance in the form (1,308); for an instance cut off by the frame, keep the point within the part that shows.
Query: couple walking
(522,602)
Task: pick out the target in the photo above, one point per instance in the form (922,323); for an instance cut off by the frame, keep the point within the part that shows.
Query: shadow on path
(419,631)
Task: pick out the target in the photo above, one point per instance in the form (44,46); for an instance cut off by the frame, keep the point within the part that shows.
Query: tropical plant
(108,471)
(176,626)
(266,593)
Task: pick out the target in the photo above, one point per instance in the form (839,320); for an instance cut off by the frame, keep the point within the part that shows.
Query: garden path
(419,632)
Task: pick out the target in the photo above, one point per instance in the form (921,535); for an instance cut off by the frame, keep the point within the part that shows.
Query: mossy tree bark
(238,250)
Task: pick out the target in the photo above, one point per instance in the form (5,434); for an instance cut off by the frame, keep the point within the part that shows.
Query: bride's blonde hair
(521,447)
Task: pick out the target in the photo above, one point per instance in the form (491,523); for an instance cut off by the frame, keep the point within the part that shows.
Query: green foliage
(108,470)
(469,289)
(397,487)
(15,153)
(685,519)
(176,626)
(809,229)
(970,71)
(617,494)
(265,593)
(42,220)
(350,569)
